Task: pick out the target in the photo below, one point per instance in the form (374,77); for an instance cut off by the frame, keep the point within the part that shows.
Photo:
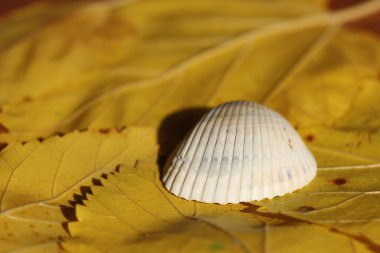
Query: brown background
(371,23)
(8,5)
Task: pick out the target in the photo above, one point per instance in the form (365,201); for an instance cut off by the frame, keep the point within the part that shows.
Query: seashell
(239,151)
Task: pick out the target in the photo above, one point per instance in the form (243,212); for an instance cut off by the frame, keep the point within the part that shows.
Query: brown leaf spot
(339,181)
(104,130)
(3,129)
(120,129)
(309,137)
(31,226)
(10,234)
(305,209)
(26,99)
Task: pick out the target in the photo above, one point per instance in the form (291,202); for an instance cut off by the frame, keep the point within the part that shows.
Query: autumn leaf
(133,212)
(88,69)
(133,34)
(141,73)
(338,147)
(343,198)
(38,181)
(344,194)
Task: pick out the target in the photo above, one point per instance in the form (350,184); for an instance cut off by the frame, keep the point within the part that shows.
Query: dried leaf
(338,147)
(142,72)
(343,198)
(132,212)
(38,180)
(160,64)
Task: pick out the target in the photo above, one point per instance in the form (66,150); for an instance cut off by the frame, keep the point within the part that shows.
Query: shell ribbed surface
(239,151)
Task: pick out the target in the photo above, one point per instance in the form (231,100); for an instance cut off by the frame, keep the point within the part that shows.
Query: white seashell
(239,151)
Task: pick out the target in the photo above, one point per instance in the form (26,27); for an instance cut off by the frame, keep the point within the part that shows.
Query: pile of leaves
(95,95)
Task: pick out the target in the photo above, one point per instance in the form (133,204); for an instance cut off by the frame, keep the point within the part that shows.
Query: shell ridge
(247,153)
(262,161)
(311,161)
(212,130)
(301,146)
(264,158)
(217,185)
(283,149)
(272,160)
(310,164)
(268,169)
(288,179)
(240,105)
(223,114)
(179,185)
(245,105)
(256,174)
(250,162)
(240,151)
(169,170)
(223,135)
(172,171)
(300,171)
(186,181)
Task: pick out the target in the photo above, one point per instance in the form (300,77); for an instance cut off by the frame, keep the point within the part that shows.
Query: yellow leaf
(133,40)
(132,212)
(334,86)
(150,61)
(37,181)
(138,63)
(343,198)
(21,23)
(336,147)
